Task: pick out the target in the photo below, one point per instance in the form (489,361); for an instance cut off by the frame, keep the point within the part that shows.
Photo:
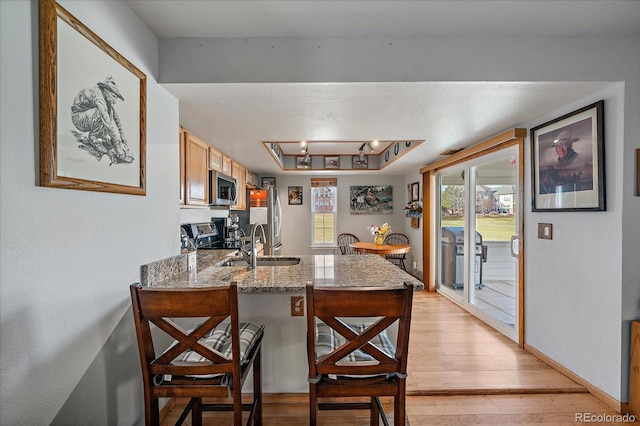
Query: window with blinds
(324,194)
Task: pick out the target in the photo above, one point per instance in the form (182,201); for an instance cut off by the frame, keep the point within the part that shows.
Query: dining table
(380,249)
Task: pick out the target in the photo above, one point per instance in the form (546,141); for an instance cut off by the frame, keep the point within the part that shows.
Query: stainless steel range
(204,235)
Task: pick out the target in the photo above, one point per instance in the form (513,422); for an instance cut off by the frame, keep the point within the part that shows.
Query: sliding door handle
(514,245)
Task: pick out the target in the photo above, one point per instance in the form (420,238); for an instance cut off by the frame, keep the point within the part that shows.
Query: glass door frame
(469,169)
(431,228)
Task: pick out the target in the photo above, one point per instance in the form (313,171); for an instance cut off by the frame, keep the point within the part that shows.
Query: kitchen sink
(263,261)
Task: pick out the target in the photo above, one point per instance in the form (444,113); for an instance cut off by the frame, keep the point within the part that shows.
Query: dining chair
(397,259)
(211,358)
(344,240)
(356,357)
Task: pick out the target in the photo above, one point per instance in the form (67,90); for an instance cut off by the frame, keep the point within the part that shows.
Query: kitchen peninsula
(343,271)
(265,297)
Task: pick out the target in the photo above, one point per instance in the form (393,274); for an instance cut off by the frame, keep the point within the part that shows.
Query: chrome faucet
(252,256)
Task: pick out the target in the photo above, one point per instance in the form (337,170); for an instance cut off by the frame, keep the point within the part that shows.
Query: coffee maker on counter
(231,231)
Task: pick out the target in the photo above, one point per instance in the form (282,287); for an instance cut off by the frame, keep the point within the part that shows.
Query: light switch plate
(545,231)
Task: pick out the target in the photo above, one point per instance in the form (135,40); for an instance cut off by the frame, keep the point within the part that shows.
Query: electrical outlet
(545,231)
(297,306)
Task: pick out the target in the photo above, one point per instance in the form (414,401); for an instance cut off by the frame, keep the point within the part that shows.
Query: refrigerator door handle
(278,218)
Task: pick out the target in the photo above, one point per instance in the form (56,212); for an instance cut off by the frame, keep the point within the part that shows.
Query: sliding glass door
(477,251)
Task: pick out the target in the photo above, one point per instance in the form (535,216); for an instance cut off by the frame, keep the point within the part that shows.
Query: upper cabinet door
(215,159)
(226,165)
(196,171)
(252,180)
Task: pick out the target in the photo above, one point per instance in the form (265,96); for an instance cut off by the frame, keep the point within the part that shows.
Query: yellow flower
(379,230)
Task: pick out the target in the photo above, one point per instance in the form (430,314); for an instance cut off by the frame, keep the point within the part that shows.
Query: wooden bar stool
(356,358)
(210,359)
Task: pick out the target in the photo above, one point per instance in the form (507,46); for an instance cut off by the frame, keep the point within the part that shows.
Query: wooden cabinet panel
(215,159)
(239,173)
(252,180)
(196,172)
(227,165)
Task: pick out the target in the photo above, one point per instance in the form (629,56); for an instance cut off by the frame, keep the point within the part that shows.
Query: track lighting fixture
(368,146)
(307,157)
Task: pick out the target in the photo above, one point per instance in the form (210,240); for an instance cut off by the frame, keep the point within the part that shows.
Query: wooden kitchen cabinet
(219,162)
(215,159)
(195,178)
(252,180)
(227,167)
(240,174)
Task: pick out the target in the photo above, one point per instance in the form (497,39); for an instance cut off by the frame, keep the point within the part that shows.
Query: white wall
(415,234)
(296,233)
(67,257)
(573,283)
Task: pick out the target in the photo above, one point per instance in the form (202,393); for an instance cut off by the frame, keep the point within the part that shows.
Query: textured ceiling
(238,116)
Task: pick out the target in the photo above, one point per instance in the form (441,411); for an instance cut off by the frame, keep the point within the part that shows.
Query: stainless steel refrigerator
(265,208)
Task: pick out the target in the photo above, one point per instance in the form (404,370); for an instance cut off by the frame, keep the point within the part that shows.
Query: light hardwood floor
(461,372)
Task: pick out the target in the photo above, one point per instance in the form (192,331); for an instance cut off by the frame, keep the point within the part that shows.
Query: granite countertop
(355,270)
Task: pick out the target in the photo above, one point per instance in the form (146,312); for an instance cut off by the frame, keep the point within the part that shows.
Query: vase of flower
(379,232)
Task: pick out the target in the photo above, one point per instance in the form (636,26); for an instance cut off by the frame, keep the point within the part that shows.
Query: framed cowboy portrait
(92,110)
(567,157)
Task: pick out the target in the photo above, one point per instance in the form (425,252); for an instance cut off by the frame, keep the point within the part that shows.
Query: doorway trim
(515,136)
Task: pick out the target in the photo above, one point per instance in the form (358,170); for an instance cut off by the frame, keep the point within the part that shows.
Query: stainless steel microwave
(222,189)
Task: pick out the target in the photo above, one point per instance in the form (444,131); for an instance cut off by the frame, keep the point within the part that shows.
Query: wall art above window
(371,199)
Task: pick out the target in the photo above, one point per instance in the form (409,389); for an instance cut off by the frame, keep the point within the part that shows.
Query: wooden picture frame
(415,191)
(295,195)
(303,162)
(359,163)
(332,162)
(371,199)
(92,110)
(567,156)
(267,182)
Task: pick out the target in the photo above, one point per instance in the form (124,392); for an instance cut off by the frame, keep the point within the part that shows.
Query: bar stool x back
(349,350)
(210,359)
